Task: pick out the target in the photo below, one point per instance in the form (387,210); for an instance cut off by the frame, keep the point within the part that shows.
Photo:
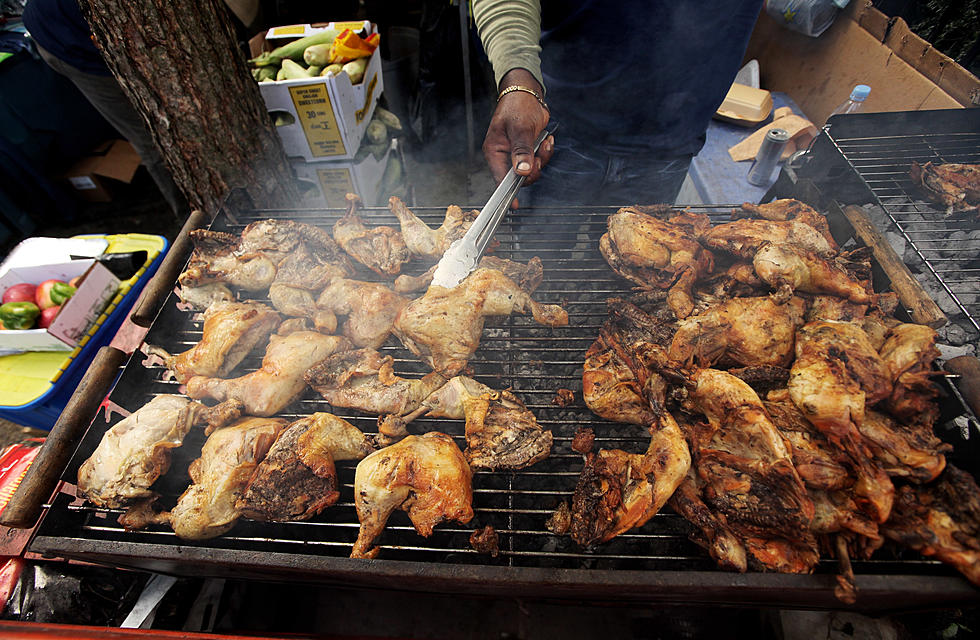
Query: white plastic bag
(810,17)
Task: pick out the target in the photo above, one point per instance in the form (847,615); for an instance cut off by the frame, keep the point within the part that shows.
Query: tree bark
(179,63)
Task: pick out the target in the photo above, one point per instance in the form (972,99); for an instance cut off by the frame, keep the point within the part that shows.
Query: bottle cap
(860,92)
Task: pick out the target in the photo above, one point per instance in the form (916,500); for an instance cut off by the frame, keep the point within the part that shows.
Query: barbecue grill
(654,563)
(879,149)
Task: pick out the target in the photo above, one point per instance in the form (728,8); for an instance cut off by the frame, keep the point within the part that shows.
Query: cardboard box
(94,293)
(863,46)
(323,118)
(91,178)
(325,184)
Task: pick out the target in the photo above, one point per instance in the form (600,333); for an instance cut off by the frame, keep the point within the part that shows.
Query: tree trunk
(178,62)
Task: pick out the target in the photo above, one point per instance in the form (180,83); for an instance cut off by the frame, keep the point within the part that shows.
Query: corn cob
(294,50)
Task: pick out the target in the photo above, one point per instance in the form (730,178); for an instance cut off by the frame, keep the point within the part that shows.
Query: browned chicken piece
(710,529)
(208,507)
(380,249)
(744,238)
(501,433)
(430,243)
(231,330)
(485,540)
(622,379)
(904,450)
(655,254)
(527,276)
(216,259)
(370,308)
(745,331)
(747,474)
(298,479)
(909,352)
(444,326)
(789,268)
(836,371)
(941,520)
(303,273)
(279,239)
(618,491)
(426,475)
(789,209)
(955,186)
(279,382)
(363,379)
(836,309)
(136,450)
(820,465)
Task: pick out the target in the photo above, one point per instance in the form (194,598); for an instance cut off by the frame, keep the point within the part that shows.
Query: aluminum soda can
(768,156)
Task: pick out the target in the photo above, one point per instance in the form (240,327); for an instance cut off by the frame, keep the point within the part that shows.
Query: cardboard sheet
(801,133)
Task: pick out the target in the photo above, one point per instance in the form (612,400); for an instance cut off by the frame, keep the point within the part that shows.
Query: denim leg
(639,180)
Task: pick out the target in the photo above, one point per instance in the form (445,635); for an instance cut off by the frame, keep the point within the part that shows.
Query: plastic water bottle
(854,103)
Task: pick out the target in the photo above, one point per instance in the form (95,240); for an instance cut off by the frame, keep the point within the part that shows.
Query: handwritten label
(312,102)
(336,184)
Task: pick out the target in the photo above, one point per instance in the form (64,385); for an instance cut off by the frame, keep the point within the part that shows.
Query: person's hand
(516,123)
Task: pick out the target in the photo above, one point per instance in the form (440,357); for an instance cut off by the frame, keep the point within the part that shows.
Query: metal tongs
(463,255)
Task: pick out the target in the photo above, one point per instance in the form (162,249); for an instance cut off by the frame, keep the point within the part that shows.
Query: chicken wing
(618,491)
(297,479)
(909,352)
(231,330)
(746,331)
(744,238)
(380,249)
(370,307)
(655,254)
(789,268)
(444,326)
(136,450)
(208,507)
(501,433)
(942,520)
(363,379)
(431,243)
(279,382)
(426,475)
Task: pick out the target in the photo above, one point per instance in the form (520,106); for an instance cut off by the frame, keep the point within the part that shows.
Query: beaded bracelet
(517,87)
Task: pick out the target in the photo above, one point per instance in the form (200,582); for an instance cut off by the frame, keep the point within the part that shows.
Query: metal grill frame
(878,148)
(656,562)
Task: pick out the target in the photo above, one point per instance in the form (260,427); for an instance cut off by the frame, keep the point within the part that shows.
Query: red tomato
(22,292)
(43,294)
(47,316)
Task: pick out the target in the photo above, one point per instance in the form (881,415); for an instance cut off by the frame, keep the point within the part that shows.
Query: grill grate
(515,353)
(947,246)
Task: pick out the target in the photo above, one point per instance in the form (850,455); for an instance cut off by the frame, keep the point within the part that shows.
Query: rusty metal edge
(879,593)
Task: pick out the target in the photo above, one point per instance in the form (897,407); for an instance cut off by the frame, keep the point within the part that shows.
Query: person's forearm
(510,31)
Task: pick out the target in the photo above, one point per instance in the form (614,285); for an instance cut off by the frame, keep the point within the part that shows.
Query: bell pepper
(19,315)
(350,46)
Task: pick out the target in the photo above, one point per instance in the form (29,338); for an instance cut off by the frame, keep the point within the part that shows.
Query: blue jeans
(581,174)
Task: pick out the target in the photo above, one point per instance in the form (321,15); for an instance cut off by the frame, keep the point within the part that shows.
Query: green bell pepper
(19,315)
(61,291)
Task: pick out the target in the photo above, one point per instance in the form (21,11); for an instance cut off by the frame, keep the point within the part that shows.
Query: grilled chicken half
(136,450)
(744,238)
(231,330)
(789,209)
(279,382)
(955,186)
(789,268)
(370,308)
(380,249)
(909,352)
(501,433)
(618,491)
(444,326)
(527,276)
(654,253)
(426,475)
(298,479)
